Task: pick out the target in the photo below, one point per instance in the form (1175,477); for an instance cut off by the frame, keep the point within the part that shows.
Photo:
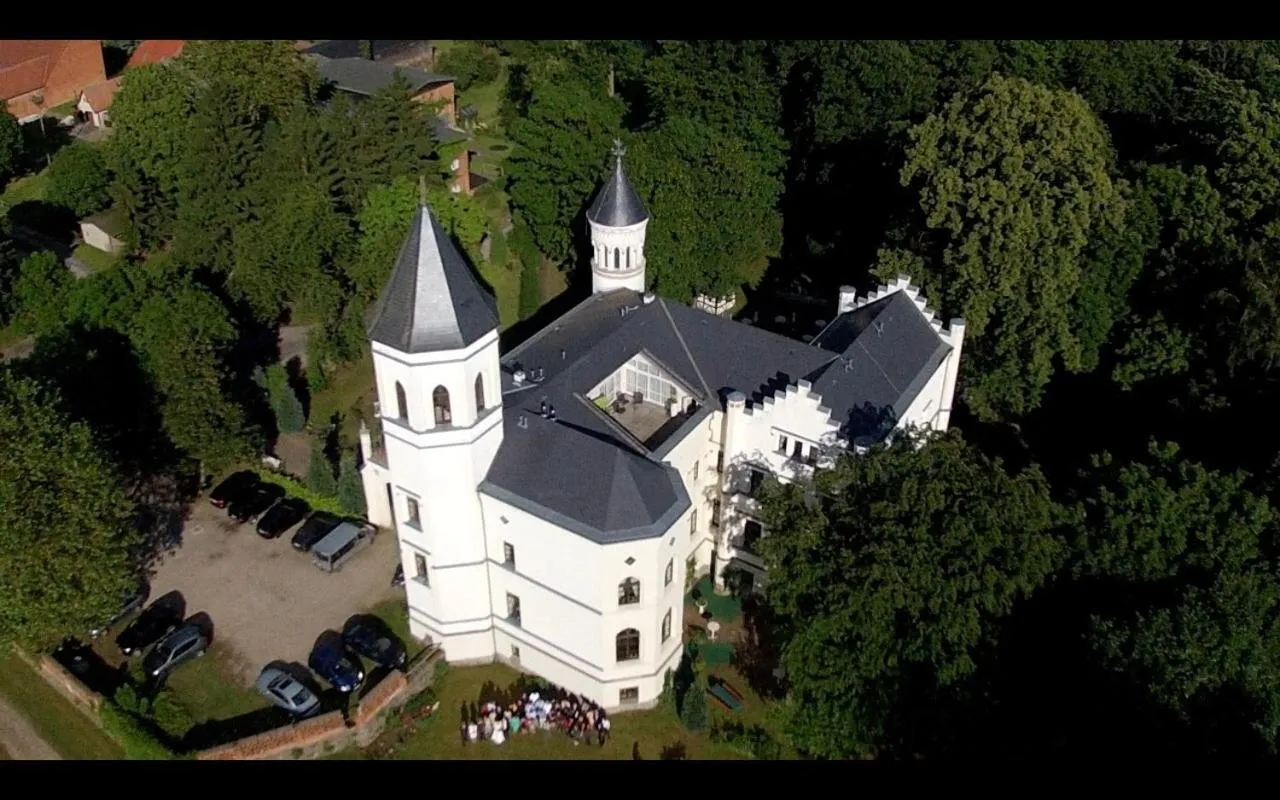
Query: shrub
(351,488)
(284,401)
(530,293)
(471,64)
(316,501)
(419,701)
(78,179)
(131,735)
(320,472)
(693,711)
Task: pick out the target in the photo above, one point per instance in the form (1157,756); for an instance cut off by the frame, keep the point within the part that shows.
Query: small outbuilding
(95,102)
(105,231)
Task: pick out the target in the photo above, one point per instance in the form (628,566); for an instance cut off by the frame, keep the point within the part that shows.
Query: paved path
(20,740)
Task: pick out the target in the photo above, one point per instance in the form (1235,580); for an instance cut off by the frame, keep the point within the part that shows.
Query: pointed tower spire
(617,205)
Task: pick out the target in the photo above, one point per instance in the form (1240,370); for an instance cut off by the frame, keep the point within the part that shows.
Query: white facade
(617,257)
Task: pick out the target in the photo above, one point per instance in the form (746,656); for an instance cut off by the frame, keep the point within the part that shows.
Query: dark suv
(233,489)
(314,529)
(154,623)
(282,516)
(255,503)
(369,637)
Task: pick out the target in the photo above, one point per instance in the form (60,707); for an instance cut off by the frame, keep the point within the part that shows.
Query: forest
(1086,563)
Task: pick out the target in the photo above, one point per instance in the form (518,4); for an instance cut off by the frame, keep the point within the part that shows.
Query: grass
(349,393)
(10,336)
(393,612)
(58,722)
(97,260)
(649,731)
(722,607)
(209,689)
(30,187)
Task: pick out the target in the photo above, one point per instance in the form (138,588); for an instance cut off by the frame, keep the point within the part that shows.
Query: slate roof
(433,301)
(586,473)
(364,77)
(617,205)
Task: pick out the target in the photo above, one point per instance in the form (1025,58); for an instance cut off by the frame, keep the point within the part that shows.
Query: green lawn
(58,722)
(209,689)
(350,393)
(30,187)
(95,259)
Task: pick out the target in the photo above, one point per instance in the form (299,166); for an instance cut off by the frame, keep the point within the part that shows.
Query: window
(628,645)
(751,533)
(508,555)
(617,259)
(720,461)
(695,471)
(402,405)
(782,444)
(479,394)
(757,478)
(666,626)
(414,519)
(513,609)
(671,572)
(693,522)
(515,653)
(797,452)
(629,696)
(420,568)
(629,592)
(715,513)
(628,258)
(440,402)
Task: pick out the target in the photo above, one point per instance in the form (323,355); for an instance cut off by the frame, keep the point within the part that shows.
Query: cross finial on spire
(422,189)
(619,150)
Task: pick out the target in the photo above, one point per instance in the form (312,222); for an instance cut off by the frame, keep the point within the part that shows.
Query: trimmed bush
(316,501)
(530,292)
(351,488)
(284,402)
(131,735)
(693,711)
(320,477)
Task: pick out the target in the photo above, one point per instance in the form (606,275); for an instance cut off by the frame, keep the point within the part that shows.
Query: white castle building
(549,501)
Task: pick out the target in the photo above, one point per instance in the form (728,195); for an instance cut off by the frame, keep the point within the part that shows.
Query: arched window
(628,258)
(440,401)
(629,592)
(402,406)
(617,259)
(479,393)
(628,643)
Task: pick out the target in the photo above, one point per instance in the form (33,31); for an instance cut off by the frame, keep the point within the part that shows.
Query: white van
(337,546)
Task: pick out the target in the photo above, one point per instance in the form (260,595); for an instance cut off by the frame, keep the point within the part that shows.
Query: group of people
(577,717)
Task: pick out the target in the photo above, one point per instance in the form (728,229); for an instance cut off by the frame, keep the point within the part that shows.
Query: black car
(282,516)
(255,503)
(314,529)
(368,636)
(152,625)
(233,489)
(331,661)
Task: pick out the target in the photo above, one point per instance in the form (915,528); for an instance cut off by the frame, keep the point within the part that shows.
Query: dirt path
(20,740)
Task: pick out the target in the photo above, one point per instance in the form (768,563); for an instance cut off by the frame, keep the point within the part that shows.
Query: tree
(10,144)
(693,709)
(889,570)
(470,64)
(78,179)
(350,489)
(284,402)
(390,139)
(320,471)
(560,156)
(63,578)
(1198,614)
(384,223)
(40,291)
(716,208)
(267,78)
(1014,181)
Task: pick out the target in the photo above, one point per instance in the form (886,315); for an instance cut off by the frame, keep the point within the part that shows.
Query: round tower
(618,220)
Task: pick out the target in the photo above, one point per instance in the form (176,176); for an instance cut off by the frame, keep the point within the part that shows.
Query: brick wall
(280,741)
(65,684)
(441,92)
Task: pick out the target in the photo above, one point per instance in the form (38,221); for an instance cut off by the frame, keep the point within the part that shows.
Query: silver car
(177,648)
(285,691)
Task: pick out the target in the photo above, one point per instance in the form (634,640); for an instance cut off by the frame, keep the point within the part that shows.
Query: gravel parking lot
(268,601)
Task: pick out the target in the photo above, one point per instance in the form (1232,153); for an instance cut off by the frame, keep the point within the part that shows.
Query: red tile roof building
(154,51)
(39,74)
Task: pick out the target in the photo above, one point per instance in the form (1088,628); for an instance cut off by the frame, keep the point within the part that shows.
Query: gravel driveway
(268,601)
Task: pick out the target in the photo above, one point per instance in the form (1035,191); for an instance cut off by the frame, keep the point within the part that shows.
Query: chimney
(847,300)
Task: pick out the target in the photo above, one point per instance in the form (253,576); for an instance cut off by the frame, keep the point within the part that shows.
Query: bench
(726,697)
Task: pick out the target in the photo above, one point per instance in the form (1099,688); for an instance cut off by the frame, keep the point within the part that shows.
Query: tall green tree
(39,292)
(64,578)
(390,139)
(267,78)
(320,477)
(78,179)
(1014,180)
(284,401)
(890,569)
(384,224)
(350,488)
(10,144)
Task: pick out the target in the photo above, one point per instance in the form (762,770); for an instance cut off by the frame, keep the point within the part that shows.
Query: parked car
(233,489)
(331,661)
(255,503)
(153,624)
(282,516)
(178,648)
(131,604)
(368,636)
(286,692)
(331,552)
(314,529)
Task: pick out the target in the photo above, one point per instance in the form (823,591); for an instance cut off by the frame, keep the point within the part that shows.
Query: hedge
(297,489)
(138,744)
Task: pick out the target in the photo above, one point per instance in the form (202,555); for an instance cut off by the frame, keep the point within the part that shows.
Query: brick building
(40,74)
